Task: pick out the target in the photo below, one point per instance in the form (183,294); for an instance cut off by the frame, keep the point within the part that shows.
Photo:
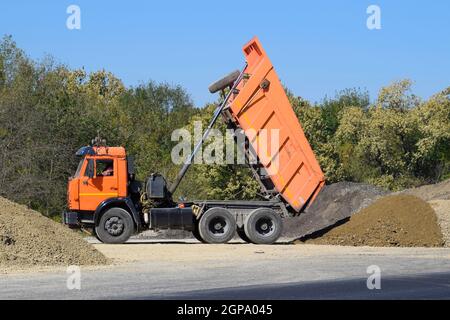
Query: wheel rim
(218,226)
(265,226)
(114,226)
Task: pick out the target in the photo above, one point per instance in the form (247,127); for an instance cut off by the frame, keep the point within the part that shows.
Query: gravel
(393,221)
(27,238)
(335,203)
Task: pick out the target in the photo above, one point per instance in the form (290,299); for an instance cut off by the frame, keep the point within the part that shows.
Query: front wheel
(115,226)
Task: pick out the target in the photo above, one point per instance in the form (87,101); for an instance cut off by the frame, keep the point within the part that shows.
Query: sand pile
(334,203)
(397,221)
(28,238)
(438,191)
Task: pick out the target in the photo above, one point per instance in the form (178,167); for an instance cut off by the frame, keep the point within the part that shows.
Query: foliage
(217,181)
(47,111)
(396,142)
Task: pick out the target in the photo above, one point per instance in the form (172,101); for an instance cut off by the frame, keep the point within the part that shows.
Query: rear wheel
(263,226)
(115,226)
(217,225)
(196,233)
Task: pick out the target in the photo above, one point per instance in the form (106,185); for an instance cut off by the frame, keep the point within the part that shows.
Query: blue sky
(317,47)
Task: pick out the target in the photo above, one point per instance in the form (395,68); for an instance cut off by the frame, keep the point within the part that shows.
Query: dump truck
(104,194)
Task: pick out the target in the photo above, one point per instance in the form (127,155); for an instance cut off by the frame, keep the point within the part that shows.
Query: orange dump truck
(105,196)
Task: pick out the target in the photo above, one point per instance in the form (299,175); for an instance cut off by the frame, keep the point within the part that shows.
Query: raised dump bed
(261,103)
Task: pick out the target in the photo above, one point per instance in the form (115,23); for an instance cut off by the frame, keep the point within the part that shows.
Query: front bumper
(70,219)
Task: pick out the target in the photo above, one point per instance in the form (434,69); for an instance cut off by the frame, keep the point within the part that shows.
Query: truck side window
(105,168)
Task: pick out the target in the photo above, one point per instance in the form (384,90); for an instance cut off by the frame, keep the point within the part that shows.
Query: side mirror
(90,169)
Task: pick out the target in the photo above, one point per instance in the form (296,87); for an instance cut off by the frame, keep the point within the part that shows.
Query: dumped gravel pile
(438,191)
(335,202)
(393,221)
(28,238)
(442,210)
(438,196)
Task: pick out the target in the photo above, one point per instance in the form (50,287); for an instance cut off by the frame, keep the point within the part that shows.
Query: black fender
(121,202)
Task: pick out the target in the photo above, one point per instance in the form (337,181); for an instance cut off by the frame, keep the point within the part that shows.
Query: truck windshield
(77,173)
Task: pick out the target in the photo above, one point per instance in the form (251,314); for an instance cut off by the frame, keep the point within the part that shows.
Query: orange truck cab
(104,179)
(101,174)
(104,195)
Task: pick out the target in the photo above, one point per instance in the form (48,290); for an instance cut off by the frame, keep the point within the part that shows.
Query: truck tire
(217,225)
(196,233)
(263,226)
(115,226)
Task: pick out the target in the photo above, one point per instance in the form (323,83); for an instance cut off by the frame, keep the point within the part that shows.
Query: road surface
(182,269)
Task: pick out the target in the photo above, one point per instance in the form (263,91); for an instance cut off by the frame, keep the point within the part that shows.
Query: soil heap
(27,238)
(334,203)
(392,221)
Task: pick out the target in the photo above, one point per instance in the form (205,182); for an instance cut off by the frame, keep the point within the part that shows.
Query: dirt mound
(438,196)
(442,210)
(438,191)
(393,221)
(28,238)
(335,202)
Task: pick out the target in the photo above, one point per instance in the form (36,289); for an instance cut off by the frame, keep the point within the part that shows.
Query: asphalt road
(420,286)
(178,270)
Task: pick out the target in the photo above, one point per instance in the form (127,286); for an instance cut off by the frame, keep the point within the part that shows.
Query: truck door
(99,186)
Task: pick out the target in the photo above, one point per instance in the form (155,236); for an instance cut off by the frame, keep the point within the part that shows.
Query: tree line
(48,110)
